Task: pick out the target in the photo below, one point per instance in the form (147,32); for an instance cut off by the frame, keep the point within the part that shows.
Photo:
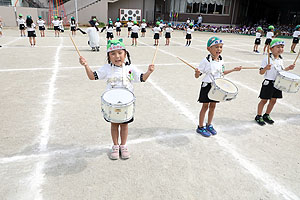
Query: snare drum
(118,105)
(222,90)
(287,82)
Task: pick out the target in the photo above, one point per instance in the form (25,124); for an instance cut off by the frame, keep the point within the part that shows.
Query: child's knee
(212,106)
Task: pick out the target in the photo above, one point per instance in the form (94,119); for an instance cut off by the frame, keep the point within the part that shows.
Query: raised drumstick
(75,45)
(268,54)
(296,57)
(187,63)
(154,55)
(250,67)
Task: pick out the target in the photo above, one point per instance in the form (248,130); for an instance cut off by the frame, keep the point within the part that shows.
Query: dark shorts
(168,35)
(118,29)
(143,30)
(22,27)
(56,28)
(188,36)
(129,28)
(156,36)
(123,122)
(295,40)
(203,96)
(257,41)
(73,28)
(134,35)
(41,28)
(31,34)
(268,41)
(268,90)
(109,35)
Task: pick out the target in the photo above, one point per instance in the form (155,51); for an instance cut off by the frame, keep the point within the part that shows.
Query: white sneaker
(114,155)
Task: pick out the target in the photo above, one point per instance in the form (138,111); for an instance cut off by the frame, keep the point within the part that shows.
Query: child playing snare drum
(213,67)
(268,91)
(119,74)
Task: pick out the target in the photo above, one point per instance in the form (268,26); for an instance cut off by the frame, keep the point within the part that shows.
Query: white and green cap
(271,27)
(259,28)
(298,26)
(213,41)
(276,42)
(113,45)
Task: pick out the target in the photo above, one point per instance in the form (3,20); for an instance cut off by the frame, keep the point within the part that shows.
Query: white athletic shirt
(276,65)
(55,22)
(161,25)
(32,28)
(21,21)
(129,24)
(118,24)
(113,74)
(156,29)
(40,22)
(269,35)
(212,69)
(169,30)
(93,36)
(135,29)
(72,24)
(143,25)
(296,34)
(258,35)
(109,29)
(189,30)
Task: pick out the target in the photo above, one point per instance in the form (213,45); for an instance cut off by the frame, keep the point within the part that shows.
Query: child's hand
(268,67)
(291,67)
(82,61)
(237,68)
(151,68)
(197,72)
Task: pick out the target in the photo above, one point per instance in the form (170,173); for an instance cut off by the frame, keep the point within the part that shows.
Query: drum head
(118,96)
(289,75)
(226,85)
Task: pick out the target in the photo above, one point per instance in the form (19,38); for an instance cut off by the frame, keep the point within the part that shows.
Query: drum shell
(118,113)
(287,84)
(217,94)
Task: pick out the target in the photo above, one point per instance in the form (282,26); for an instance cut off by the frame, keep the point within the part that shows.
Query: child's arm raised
(148,73)
(88,70)
(291,67)
(262,71)
(197,73)
(232,70)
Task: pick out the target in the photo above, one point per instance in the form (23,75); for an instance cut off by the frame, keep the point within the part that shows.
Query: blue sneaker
(203,131)
(211,129)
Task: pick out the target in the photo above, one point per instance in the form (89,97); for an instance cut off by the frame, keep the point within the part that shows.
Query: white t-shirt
(212,69)
(21,21)
(161,25)
(199,19)
(72,24)
(129,24)
(189,30)
(40,22)
(276,66)
(258,35)
(269,35)
(296,34)
(93,36)
(109,29)
(169,30)
(135,29)
(55,22)
(144,25)
(156,29)
(119,76)
(118,24)
(188,21)
(32,28)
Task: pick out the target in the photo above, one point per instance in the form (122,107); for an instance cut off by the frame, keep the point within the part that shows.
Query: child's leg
(114,129)
(211,112)
(261,105)
(202,114)
(30,41)
(132,41)
(124,133)
(265,47)
(293,47)
(34,41)
(271,104)
(135,41)
(254,48)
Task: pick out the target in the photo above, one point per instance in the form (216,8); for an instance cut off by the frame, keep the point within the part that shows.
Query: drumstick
(250,67)
(75,45)
(154,55)
(296,57)
(268,54)
(187,63)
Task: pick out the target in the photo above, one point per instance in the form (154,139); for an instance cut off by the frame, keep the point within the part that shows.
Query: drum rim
(237,89)
(120,105)
(286,77)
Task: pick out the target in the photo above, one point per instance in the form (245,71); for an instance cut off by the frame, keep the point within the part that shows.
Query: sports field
(55,143)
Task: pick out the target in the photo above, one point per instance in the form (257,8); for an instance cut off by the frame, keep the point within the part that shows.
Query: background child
(61,25)
(31,31)
(168,34)
(118,25)
(161,26)
(109,30)
(41,23)
(56,23)
(143,26)
(295,38)
(129,25)
(268,92)
(114,70)
(93,34)
(21,23)
(135,33)
(156,31)
(213,67)
(1,26)
(73,26)
(257,39)
(188,36)
(270,35)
